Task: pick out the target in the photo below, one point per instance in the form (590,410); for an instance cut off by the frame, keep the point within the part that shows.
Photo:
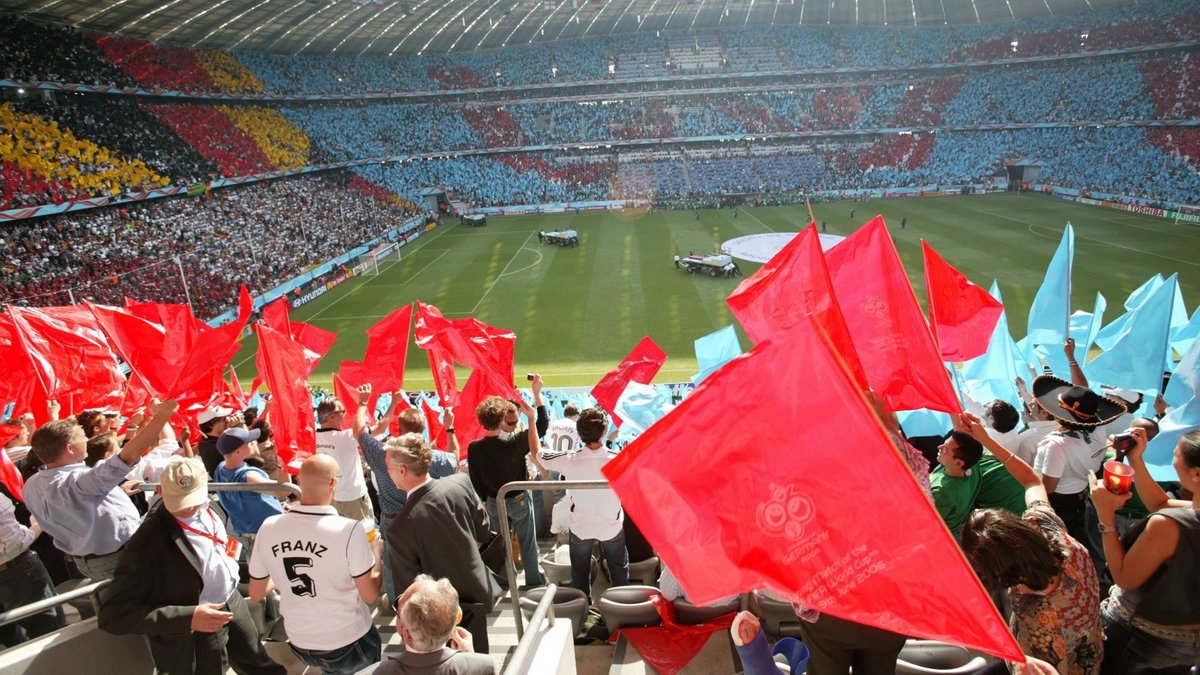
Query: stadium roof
(353,27)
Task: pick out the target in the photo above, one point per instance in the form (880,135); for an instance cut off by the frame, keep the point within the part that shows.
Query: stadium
(782,215)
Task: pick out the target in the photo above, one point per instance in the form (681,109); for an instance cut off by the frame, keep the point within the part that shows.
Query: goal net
(372,259)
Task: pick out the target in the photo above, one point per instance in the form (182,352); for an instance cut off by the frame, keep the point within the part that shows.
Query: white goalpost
(372,259)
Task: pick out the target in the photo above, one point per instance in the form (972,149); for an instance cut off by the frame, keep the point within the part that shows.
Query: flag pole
(186,293)
(1070,269)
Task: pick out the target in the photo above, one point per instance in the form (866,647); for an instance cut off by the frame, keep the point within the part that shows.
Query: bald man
(328,570)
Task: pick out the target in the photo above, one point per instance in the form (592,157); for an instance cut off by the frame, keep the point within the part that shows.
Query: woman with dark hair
(1050,578)
(1152,616)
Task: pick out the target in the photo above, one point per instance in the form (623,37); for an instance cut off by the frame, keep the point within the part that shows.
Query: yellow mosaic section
(286,146)
(228,74)
(40,145)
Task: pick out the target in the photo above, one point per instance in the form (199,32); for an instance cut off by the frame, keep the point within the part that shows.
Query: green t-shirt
(997,487)
(953,497)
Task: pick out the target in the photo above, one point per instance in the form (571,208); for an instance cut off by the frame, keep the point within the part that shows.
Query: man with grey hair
(439,532)
(426,618)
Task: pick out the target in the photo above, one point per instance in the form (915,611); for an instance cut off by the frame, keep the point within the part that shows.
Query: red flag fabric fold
(962,316)
(433,424)
(794,283)
(9,475)
(485,349)
(758,509)
(71,356)
(285,372)
(640,366)
(890,334)
(387,350)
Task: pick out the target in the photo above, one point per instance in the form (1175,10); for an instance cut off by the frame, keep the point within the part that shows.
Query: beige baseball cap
(184,484)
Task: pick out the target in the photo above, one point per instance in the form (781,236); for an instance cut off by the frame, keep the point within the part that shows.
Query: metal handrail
(545,610)
(26,611)
(502,514)
(290,488)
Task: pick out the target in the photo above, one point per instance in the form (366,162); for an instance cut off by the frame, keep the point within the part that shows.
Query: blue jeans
(614,553)
(1130,651)
(523,523)
(23,582)
(345,660)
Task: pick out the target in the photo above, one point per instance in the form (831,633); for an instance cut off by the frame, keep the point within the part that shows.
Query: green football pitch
(578,311)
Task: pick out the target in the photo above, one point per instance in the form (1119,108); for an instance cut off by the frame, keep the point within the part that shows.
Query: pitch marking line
(420,245)
(1089,239)
(760,222)
(510,262)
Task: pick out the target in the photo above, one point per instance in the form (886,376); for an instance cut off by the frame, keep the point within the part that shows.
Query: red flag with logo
(640,366)
(962,316)
(794,283)
(764,508)
(889,331)
(282,363)
(387,350)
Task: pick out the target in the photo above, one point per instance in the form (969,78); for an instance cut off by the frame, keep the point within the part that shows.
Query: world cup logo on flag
(784,513)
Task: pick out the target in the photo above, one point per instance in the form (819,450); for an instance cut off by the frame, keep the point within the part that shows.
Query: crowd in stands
(55,165)
(60,54)
(214,135)
(285,146)
(260,234)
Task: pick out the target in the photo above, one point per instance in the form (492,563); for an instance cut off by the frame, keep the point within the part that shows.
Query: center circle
(760,248)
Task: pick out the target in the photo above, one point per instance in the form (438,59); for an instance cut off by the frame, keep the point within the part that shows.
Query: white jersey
(313,555)
(561,436)
(343,446)
(595,514)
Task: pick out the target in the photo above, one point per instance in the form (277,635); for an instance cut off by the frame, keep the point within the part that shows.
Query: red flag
(275,315)
(240,399)
(20,383)
(387,350)
(137,396)
(354,375)
(433,424)
(316,341)
(672,646)
(9,475)
(71,355)
(962,315)
(282,363)
(889,330)
(346,394)
(727,517)
(470,342)
(640,366)
(794,283)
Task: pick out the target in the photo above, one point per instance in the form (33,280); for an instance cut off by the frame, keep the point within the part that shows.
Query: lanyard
(219,542)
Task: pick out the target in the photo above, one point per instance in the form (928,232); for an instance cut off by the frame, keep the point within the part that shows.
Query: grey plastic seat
(629,606)
(930,657)
(688,614)
(644,571)
(569,603)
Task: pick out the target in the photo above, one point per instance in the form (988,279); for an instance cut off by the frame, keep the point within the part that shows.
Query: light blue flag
(1107,336)
(1185,382)
(991,376)
(715,350)
(1183,337)
(924,422)
(1084,327)
(1139,294)
(640,406)
(1160,452)
(1051,308)
(1136,360)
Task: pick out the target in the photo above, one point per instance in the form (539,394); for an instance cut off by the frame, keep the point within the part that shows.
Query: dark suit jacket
(439,535)
(156,588)
(445,662)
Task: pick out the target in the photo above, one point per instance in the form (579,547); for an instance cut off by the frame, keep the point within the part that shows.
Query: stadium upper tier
(30,51)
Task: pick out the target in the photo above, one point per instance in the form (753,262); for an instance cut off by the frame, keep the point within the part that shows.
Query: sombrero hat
(1075,405)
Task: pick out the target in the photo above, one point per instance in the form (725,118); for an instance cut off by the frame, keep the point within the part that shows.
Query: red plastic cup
(1118,477)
